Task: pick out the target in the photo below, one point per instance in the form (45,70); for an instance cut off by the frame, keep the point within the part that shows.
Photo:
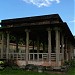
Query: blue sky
(25,8)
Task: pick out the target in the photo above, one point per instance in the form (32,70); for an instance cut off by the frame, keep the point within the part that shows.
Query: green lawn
(9,71)
(71,71)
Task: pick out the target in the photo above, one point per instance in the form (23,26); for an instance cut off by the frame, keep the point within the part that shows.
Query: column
(17,40)
(70,51)
(49,44)
(44,47)
(27,45)
(33,45)
(66,48)
(38,48)
(57,46)
(2,47)
(38,44)
(7,50)
(62,45)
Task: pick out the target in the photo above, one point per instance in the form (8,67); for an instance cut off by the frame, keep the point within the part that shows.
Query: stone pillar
(17,40)
(49,43)
(38,48)
(62,49)
(57,45)
(27,45)
(38,44)
(44,47)
(66,49)
(2,46)
(33,46)
(7,49)
(70,51)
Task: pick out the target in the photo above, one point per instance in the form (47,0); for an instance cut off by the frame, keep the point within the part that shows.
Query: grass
(71,71)
(9,71)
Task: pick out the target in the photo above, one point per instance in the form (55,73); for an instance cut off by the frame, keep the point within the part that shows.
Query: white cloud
(41,3)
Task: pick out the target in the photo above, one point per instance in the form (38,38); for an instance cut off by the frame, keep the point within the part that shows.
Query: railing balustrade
(18,56)
(32,56)
(38,56)
(53,56)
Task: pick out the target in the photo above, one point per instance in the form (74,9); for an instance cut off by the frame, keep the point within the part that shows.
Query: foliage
(66,62)
(10,71)
(12,38)
(72,63)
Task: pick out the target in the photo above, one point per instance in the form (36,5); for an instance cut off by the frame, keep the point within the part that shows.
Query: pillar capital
(2,32)
(57,29)
(7,32)
(49,29)
(27,30)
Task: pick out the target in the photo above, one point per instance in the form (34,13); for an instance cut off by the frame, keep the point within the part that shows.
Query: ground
(9,71)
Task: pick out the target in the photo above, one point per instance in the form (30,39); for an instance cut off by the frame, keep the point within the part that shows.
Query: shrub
(66,63)
(72,63)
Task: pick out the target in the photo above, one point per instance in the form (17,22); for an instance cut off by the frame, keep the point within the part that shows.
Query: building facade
(41,40)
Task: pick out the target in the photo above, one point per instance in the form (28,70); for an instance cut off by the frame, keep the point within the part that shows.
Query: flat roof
(31,19)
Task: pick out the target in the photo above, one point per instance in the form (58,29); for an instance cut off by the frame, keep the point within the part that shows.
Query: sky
(25,8)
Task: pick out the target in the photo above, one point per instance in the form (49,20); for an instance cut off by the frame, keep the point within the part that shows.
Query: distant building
(46,40)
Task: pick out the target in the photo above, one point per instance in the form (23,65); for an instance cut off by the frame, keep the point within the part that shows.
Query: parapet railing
(18,56)
(32,56)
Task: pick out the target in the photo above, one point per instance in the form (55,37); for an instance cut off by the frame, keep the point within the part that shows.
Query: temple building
(40,40)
